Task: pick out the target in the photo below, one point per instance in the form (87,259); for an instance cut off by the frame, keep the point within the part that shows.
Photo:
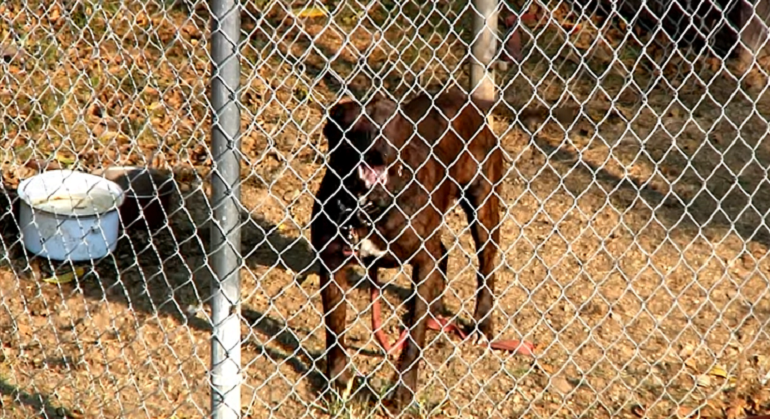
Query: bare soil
(633,249)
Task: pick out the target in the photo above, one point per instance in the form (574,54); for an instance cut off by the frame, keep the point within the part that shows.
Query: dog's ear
(342,116)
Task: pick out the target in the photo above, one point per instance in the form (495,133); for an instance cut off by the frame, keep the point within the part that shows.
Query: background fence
(634,240)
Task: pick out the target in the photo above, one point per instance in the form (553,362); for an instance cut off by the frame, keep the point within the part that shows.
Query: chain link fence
(634,230)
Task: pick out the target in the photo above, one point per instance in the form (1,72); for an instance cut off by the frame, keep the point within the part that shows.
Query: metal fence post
(226,194)
(484,49)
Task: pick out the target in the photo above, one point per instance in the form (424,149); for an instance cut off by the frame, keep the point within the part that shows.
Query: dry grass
(634,245)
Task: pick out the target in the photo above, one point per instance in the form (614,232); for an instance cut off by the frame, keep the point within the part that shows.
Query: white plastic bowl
(70,216)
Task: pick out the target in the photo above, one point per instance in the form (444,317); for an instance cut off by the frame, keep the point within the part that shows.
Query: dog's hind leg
(481,204)
(483,225)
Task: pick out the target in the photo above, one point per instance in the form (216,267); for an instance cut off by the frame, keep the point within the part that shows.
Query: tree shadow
(164,273)
(167,274)
(290,349)
(38,403)
(723,202)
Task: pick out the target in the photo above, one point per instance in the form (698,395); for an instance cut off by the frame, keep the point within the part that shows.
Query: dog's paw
(342,382)
(397,403)
(479,338)
(482,333)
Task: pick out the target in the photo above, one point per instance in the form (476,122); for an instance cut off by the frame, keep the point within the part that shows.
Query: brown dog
(391,178)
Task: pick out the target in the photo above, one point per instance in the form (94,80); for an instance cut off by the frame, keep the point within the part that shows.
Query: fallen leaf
(155,105)
(736,409)
(562,385)
(684,412)
(713,408)
(546,368)
(41,165)
(66,277)
(63,159)
(639,410)
(714,63)
(718,371)
(309,12)
(704,381)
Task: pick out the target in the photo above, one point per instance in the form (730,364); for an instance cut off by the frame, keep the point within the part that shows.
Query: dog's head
(365,140)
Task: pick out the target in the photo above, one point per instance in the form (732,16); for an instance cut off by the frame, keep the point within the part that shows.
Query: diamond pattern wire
(634,233)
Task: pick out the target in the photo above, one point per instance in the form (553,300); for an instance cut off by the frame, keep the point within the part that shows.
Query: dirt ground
(633,249)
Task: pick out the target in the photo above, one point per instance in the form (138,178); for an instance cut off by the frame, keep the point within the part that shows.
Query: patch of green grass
(362,400)
(111,7)
(136,128)
(79,15)
(34,122)
(355,408)
(44,49)
(50,103)
(24,152)
(348,14)
(519,372)
(95,80)
(630,52)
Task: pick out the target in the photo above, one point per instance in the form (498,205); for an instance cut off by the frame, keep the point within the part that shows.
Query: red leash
(515,346)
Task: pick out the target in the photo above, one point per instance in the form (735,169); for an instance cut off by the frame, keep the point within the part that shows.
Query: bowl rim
(26,199)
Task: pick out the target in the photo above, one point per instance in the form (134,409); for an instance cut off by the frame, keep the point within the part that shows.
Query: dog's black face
(364,145)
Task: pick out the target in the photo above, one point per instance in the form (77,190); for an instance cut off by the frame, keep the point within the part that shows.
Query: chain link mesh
(633,244)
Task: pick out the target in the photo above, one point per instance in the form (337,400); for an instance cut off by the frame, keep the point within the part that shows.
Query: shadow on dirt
(729,198)
(37,403)
(167,274)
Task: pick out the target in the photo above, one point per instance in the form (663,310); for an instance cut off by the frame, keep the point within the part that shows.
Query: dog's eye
(361,140)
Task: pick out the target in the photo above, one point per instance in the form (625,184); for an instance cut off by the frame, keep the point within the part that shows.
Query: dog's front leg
(333,289)
(428,284)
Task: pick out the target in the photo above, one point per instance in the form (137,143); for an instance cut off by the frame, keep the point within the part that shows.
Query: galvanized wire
(634,234)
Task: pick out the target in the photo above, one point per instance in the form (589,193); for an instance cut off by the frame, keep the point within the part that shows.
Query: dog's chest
(359,231)
(367,248)
(364,246)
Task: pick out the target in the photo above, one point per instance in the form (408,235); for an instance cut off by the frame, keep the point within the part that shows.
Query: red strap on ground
(515,346)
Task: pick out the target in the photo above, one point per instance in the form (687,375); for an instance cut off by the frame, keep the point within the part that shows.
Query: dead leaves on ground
(136,96)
